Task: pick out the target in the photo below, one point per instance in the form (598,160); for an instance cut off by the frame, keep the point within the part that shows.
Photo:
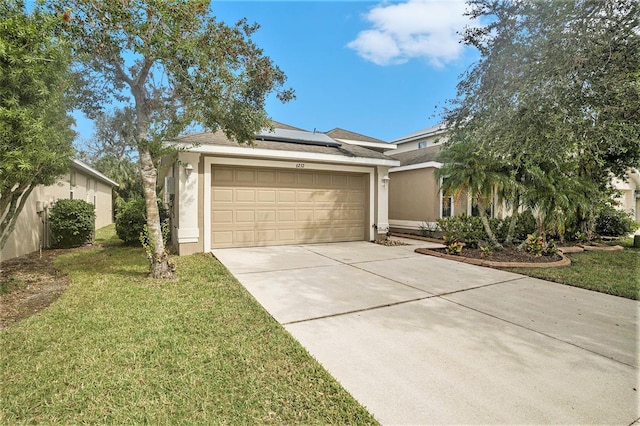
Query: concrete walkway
(422,340)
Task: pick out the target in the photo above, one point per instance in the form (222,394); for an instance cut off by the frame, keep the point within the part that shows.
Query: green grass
(611,272)
(107,237)
(119,348)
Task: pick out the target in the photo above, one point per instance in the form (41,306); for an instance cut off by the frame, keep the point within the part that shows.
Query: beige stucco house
(415,198)
(291,187)
(82,182)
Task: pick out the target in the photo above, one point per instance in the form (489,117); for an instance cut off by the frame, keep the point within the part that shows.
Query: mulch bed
(500,259)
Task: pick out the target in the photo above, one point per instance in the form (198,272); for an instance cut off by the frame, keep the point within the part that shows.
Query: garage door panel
(245,195)
(245,176)
(267,195)
(303,196)
(286,216)
(269,206)
(266,216)
(286,178)
(306,179)
(222,175)
(266,177)
(245,216)
(304,215)
(286,196)
(222,216)
(222,195)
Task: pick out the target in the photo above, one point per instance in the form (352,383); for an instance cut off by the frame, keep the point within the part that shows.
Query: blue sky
(380,69)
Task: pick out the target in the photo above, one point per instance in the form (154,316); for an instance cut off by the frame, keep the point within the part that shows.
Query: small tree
(466,168)
(35,129)
(174,65)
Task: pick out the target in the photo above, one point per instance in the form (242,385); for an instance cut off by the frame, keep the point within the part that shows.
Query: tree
(114,136)
(557,86)
(111,150)
(467,169)
(35,129)
(175,65)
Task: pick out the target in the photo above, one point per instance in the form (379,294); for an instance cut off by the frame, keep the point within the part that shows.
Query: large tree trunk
(160,265)
(508,241)
(487,227)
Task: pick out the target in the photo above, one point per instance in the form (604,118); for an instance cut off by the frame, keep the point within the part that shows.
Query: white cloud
(415,29)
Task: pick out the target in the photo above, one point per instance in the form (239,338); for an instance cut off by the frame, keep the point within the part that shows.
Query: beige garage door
(259,207)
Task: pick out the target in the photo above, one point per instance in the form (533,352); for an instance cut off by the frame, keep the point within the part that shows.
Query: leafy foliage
(131,221)
(550,105)
(35,129)
(72,223)
(173,65)
(614,223)
(470,230)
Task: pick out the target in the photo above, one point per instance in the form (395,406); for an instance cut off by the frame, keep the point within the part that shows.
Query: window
(446,203)
(422,144)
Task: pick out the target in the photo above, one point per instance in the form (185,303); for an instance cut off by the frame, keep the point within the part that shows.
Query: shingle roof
(278,125)
(438,128)
(418,156)
(339,133)
(220,139)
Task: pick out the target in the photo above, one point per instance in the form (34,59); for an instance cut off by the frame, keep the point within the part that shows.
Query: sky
(382,69)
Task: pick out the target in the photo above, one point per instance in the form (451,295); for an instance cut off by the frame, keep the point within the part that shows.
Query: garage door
(259,207)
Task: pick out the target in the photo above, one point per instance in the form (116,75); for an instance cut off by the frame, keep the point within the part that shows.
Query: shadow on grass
(120,260)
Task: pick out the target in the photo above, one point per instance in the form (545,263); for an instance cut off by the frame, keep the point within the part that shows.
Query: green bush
(71,223)
(614,223)
(464,229)
(525,225)
(132,218)
(469,229)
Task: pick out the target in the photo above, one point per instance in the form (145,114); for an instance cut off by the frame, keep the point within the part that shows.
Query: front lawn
(119,348)
(611,272)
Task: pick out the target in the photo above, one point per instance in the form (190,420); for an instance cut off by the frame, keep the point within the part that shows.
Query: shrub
(463,228)
(132,218)
(614,223)
(525,225)
(72,223)
(535,245)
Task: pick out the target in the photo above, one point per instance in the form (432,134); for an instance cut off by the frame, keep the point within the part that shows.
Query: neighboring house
(291,187)
(415,198)
(629,199)
(82,183)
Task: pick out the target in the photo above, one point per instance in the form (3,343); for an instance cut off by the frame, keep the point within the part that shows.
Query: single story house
(291,186)
(82,182)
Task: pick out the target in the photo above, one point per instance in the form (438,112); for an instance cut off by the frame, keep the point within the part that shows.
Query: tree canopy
(175,66)
(555,95)
(35,128)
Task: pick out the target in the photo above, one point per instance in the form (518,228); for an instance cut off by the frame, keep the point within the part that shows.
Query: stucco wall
(29,229)
(414,195)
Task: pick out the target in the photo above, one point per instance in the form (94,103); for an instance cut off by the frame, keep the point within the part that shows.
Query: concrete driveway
(423,340)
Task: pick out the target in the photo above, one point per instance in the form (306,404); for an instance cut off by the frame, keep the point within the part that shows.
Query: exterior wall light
(188,169)
(385,181)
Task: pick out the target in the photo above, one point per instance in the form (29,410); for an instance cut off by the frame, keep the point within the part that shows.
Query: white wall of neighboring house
(427,137)
(83,183)
(629,198)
